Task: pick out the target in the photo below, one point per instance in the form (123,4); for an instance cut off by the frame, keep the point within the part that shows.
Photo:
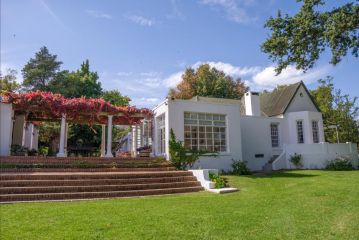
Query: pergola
(45,106)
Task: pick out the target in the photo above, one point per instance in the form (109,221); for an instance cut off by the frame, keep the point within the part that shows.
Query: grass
(287,205)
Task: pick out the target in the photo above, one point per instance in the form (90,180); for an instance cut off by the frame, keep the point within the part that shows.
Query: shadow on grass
(280,174)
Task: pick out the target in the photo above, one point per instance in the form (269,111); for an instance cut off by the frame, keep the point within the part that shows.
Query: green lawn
(288,205)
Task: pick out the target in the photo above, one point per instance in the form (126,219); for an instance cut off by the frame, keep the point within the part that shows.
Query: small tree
(182,157)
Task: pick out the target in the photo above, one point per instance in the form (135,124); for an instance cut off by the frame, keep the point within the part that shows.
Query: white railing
(280,162)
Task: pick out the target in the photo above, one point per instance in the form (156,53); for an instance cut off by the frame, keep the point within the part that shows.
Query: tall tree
(8,81)
(116,98)
(207,81)
(82,82)
(40,70)
(338,109)
(301,39)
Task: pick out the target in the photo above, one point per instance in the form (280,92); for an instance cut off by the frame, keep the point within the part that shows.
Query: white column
(66,136)
(32,133)
(61,152)
(103,141)
(109,137)
(23,140)
(134,141)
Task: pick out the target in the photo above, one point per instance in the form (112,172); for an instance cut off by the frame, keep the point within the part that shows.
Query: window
(274,134)
(205,131)
(315,131)
(300,134)
(161,133)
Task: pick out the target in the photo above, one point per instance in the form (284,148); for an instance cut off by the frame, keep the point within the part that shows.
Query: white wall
(174,111)
(301,103)
(6,115)
(307,118)
(316,156)
(256,139)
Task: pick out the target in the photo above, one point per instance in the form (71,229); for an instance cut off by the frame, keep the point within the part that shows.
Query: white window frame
(273,136)
(161,133)
(302,126)
(206,131)
(315,132)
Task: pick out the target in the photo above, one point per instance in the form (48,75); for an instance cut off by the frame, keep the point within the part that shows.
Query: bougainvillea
(49,106)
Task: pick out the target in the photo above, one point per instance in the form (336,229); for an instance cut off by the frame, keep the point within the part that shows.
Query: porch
(22,113)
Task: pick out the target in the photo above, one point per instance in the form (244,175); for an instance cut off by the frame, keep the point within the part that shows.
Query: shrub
(18,150)
(44,151)
(32,152)
(296,159)
(340,164)
(219,182)
(240,168)
(182,157)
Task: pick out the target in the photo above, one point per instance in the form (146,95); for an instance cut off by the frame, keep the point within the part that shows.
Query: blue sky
(142,47)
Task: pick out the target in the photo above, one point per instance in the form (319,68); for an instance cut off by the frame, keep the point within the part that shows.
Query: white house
(258,129)
(262,129)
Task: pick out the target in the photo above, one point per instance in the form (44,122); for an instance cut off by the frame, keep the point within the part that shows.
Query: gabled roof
(276,102)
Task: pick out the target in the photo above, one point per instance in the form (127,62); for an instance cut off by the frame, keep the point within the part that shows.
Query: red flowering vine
(50,106)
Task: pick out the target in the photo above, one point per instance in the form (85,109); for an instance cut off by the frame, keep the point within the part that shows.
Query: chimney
(251,100)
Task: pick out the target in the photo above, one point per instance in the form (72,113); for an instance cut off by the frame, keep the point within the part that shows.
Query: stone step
(69,160)
(147,169)
(90,175)
(90,182)
(96,188)
(87,195)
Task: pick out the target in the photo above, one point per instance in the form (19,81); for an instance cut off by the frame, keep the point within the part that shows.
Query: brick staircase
(38,178)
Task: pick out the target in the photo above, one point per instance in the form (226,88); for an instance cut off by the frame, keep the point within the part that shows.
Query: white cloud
(267,77)
(229,69)
(98,14)
(172,80)
(151,82)
(176,12)
(150,74)
(143,21)
(124,74)
(232,9)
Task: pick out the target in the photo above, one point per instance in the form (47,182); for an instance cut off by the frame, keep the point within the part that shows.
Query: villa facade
(258,129)
(261,129)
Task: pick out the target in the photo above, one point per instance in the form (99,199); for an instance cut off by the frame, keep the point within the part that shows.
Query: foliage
(82,82)
(40,70)
(219,182)
(301,39)
(32,152)
(8,81)
(296,159)
(240,168)
(340,164)
(115,98)
(207,81)
(43,151)
(338,109)
(54,105)
(18,150)
(181,157)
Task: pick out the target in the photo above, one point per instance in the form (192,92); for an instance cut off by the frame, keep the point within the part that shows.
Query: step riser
(95,176)
(86,169)
(65,196)
(89,182)
(73,189)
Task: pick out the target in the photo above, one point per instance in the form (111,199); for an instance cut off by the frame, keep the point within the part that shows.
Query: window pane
(274,134)
(300,134)
(206,133)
